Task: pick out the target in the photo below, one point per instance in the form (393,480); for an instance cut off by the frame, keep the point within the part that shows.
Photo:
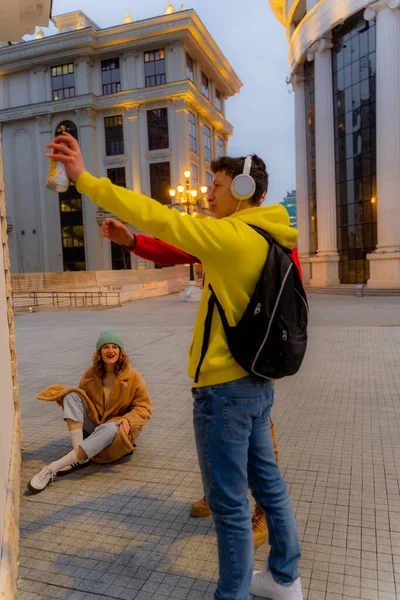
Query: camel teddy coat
(128,398)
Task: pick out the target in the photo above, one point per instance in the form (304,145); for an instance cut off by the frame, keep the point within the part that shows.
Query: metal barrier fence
(31,300)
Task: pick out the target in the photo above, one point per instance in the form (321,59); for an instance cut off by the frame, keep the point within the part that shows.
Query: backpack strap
(213,300)
(267,236)
(207,333)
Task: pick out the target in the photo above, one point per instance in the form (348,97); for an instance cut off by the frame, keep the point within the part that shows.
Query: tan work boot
(200,509)
(259,526)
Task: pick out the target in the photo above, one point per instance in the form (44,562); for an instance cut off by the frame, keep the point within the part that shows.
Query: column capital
(44,122)
(132,111)
(86,117)
(130,54)
(39,69)
(372,10)
(87,60)
(323,44)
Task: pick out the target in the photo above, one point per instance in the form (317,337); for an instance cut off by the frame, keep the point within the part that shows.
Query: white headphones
(244,186)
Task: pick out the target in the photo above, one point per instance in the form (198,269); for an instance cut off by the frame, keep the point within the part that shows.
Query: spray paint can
(57,178)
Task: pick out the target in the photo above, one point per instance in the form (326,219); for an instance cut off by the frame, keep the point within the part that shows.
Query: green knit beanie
(109,337)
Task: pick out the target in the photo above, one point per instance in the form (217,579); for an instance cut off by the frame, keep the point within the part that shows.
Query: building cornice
(318,24)
(85,105)
(120,39)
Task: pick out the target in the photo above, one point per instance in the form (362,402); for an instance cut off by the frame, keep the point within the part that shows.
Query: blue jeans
(235,450)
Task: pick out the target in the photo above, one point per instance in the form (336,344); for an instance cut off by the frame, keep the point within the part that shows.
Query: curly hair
(100,367)
(234,167)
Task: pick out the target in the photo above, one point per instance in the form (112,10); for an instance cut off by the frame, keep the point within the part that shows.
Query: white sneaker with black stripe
(41,480)
(81,464)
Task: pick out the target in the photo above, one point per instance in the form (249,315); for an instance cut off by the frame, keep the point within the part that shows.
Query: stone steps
(351,290)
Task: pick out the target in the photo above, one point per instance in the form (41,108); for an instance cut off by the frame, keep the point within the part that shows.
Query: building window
(209,180)
(154,68)
(117,176)
(207,143)
(220,147)
(63,81)
(157,129)
(120,257)
(205,86)
(189,68)
(193,132)
(111,76)
(354,82)
(160,181)
(218,100)
(71,218)
(114,133)
(311,168)
(195,176)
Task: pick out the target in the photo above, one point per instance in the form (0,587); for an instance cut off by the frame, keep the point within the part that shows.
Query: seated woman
(110,408)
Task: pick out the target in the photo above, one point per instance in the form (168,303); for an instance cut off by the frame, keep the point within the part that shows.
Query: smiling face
(110,354)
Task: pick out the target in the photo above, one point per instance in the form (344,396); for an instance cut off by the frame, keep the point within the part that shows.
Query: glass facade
(354,82)
(63,81)
(207,144)
(120,257)
(311,168)
(157,129)
(110,76)
(160,182)
(114,135)
(71,218)
(154,68)
(192,132)
(189,68)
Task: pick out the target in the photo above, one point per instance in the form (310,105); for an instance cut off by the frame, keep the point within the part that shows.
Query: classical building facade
(145,99)
(344,57)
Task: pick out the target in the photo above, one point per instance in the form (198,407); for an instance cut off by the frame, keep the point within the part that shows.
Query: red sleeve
(160,252)
(295,257)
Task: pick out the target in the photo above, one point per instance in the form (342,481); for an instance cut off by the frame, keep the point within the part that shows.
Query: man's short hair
(234,167)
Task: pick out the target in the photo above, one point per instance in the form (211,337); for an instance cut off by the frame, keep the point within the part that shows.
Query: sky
(254,42)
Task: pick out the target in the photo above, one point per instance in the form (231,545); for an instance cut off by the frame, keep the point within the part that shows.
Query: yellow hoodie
(232,255)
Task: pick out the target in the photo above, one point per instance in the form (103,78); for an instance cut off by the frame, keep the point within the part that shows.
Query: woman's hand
(118,233)
(124,423)
(66,150)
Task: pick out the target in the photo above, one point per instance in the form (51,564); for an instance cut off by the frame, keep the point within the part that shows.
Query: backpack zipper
(270,325)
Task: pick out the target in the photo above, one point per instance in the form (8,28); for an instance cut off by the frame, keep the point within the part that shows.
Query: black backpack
(270,340)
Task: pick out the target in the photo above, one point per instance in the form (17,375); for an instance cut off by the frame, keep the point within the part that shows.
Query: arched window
(69,127)
(71,215)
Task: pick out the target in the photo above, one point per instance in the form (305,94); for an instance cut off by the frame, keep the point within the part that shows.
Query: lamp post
(187,196)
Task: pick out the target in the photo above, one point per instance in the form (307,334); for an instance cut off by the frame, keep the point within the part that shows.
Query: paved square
(123,530)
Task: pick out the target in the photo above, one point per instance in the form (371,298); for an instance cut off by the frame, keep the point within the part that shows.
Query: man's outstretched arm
(145,246)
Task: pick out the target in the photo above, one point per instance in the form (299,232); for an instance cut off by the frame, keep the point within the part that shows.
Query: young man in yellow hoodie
(231,407)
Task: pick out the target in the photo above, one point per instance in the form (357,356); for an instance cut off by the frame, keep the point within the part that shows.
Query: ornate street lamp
(188,197)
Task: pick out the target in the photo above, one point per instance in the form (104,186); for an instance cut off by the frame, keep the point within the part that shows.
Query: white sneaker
(264,585)
(41,480)
(81,464)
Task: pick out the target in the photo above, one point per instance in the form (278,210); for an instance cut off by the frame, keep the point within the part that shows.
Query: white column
(83,75)
(182,153)
(302,199)
(38,84)
(325,266)
(93,237)
(135,147)
(139,70)
(385,261)
(49,202)
(128,71)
